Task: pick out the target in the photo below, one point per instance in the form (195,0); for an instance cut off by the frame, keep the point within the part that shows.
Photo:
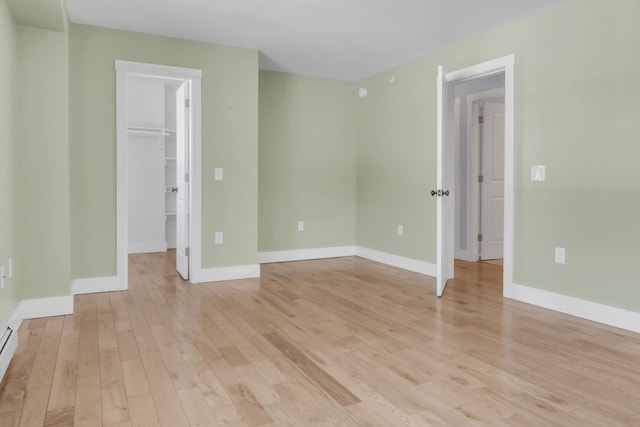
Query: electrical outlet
(300,225)
(2,277)
(400,230)
(560,256)
(219,238)
(218,174)
(537,173)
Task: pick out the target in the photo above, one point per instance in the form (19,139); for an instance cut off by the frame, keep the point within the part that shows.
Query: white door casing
(182,171)
(492,186)
(124,70)
(445,183)
(444,257)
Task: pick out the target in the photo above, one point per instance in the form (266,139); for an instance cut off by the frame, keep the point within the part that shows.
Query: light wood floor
(343,342)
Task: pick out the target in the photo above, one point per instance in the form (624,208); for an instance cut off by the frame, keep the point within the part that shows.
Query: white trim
(147,247)
(410,264)
(16,318)
(8,350)
(226,273)
(143,69)
(96,284)
(605,314)
(194,76)
(506,65)
(46,307)
(306,254)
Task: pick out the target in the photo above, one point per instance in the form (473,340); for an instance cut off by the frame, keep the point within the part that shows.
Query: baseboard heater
(8,345)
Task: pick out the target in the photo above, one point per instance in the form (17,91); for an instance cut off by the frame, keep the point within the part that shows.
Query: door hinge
(479,237)
(186,177)
(187,251)
(480,179)
(187,104)
(481,119)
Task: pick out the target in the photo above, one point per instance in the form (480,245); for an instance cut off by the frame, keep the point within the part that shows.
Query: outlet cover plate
(537,173)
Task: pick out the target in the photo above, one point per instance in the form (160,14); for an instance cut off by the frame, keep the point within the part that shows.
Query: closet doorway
(158,163)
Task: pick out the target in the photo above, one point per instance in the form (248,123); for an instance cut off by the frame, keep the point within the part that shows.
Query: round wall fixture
(362,92)
(392,79)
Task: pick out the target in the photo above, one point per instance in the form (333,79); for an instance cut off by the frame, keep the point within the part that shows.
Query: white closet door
(182,169)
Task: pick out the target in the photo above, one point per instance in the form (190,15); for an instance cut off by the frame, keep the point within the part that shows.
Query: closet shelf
(147,131)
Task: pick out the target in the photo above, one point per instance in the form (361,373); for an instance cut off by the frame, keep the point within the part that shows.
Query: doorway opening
(479,165)
(501,165)
(158,164)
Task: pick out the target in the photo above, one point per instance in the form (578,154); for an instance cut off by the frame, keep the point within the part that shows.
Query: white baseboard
(147,247)
(16,318)
(93,285)
(46,307)
(9,346)
(605,314)
(410,264)
(306,254)
(225,273)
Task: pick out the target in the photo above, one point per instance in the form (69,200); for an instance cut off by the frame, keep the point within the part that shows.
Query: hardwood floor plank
(196,408)
(251,410)
(135,379)
(342,342)
(60,417)
(142,410)
(88,409)
(323,380)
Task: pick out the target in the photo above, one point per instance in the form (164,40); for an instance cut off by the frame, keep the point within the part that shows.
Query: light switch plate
(400,230)
(218,174)
(300,225)
(537,173)
(560,259)
(219,238)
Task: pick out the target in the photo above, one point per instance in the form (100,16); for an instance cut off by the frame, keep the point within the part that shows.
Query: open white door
(446,176)
(182,169)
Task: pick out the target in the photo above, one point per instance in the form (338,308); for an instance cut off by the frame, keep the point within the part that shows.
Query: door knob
(433,192)
(445,193)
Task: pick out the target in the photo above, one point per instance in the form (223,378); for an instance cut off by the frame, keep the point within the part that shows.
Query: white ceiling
(344,39)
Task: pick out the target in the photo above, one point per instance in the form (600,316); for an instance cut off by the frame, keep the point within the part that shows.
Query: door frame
(473,162)
(506,65)
(124,70)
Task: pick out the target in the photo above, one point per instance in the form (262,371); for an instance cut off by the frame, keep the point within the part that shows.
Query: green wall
(576,89)
(42,167)
(396,163)
(8,97)
(306,162)
(321,148)
(229,140)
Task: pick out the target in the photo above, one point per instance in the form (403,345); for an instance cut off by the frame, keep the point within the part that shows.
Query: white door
(446,177)
(182,170)
(492,186)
